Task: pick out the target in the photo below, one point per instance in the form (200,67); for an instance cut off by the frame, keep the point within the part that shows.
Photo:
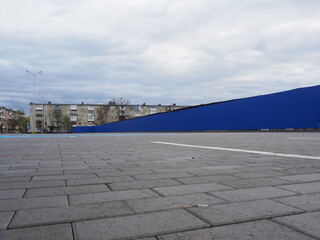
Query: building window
(57,107)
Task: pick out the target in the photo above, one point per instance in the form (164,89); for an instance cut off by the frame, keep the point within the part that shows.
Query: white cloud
(183,51)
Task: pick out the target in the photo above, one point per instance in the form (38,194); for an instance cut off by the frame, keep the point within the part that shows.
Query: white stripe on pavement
(240,150)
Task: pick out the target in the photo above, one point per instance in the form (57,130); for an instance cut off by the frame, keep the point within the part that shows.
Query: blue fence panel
(298,108)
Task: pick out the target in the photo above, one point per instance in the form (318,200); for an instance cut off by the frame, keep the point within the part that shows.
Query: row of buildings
(12,121)
(61,117)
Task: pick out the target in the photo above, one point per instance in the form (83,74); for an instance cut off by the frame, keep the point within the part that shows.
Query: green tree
(66,123)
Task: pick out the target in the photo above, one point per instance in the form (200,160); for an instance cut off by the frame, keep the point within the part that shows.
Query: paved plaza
(221,185)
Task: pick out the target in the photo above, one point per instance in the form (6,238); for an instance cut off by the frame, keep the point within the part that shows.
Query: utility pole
(34,97)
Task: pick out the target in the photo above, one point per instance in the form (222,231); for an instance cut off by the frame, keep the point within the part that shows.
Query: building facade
(61,117)
(11,121)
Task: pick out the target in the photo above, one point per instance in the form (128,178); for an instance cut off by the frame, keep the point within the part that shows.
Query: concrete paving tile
(10,194)
(124,173)
(105,180)
(14,179)
(142,184)
(302,177)
(193,188)
(29,203)
(207,172)
(111,196)
(5,218)
(162,175)
(88,171)
(55,191)
(262,230)
(37,184)
(43,216)
(258,182)
(52,232)
(262,174)
(57,177)
(163,203)
(143,225)
(221,167)
(243,211)
(305,222)
(303,188)
(206,179)
(309,202)
(252,194)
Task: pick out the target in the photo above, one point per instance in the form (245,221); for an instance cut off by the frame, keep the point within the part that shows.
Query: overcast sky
(155,51)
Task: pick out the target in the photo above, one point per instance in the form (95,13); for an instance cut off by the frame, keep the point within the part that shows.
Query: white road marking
(300,138)
(240,150)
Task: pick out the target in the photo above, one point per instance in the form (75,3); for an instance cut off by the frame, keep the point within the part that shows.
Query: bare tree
(99,118)
(121,104)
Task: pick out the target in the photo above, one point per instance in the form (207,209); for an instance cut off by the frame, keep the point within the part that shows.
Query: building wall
(48,117)
(294,109)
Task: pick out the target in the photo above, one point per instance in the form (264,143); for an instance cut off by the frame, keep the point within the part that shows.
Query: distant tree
(66,123)
(99,118)
(121,104)
(57,119)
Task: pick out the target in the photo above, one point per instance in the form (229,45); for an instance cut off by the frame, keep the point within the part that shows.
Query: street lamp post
(34,95)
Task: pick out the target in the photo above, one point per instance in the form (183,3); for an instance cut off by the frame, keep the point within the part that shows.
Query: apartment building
(60,117)
(11,121)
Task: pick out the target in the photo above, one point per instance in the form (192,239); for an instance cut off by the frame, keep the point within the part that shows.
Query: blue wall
(298,108)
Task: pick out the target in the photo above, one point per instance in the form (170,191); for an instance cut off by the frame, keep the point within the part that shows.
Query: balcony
(90,118)
(39,107)
(73,107)
(90,107)
(73,118)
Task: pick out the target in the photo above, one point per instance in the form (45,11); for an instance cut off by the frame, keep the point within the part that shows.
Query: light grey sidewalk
(160,186)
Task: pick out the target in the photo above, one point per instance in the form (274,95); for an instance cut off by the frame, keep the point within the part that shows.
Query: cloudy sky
(155,51)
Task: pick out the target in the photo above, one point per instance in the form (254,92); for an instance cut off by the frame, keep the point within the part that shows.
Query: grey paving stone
(262,230)
(309,202)
(206,179)
(252,194)
(262,174)
(88,181)
(55,191)
(36,184)
(305,222)
(243,211)
(220,167)
(258,182)
(163,203)
(193,188)
(143,225)
(29,203)
(52,232)
(14,179)
(302,177)
(5,218)
(125,173)
(10,194)
(142,184)
(303,188)
(161,175)
(111,196)
(43,216)
(57,177)
(206,172)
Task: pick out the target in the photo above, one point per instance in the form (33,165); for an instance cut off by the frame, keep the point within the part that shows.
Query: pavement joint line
(297,138)
(292,227)
(240,150)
